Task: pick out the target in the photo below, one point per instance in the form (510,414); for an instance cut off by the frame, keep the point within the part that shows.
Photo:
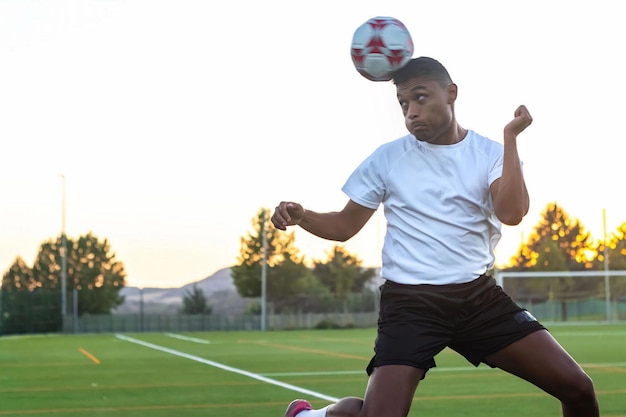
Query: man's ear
(452,91)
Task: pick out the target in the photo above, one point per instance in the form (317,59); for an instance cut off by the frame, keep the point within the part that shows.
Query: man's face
(427,107)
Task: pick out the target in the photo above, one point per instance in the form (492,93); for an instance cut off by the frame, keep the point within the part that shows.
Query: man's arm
(509,193)
(337,225)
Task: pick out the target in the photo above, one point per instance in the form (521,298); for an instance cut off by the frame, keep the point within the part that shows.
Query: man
(445,191)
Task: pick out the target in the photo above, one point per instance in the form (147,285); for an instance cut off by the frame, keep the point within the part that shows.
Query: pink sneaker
(296,406)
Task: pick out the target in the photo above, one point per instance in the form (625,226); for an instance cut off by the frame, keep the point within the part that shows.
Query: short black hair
(423,67)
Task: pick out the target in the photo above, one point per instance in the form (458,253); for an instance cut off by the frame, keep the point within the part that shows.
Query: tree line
(558,242)
(31,294)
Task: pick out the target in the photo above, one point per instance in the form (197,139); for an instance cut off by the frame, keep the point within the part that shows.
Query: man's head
(426,95)
(423,67)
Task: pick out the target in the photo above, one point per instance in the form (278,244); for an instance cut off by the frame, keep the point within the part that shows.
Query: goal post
(568,296)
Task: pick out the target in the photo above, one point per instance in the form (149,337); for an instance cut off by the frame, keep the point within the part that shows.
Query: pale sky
(175,121)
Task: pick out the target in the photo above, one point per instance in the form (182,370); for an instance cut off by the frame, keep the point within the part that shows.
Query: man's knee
(579,390)
(346,407)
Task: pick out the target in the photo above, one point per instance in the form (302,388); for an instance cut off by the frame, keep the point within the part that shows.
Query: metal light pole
(264,276)
(607,282)
(141,329)
(63,258)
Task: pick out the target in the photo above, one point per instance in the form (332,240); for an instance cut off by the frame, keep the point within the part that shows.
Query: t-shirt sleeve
(365,185)
(497,160)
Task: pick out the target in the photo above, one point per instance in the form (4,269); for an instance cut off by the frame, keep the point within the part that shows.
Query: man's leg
(540,359)
(389,393)
(410,331)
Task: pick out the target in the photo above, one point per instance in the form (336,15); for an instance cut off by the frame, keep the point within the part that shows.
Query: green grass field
(243,374)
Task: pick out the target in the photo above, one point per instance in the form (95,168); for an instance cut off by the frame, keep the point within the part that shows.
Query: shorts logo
(524,316)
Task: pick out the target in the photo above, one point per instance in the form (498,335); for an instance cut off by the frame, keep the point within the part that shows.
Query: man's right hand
(287,213)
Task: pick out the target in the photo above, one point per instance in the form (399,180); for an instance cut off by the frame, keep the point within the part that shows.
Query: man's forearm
(512,195)
(325,225)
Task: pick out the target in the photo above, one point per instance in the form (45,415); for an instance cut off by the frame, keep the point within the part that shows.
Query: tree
(573,249)
(24,306)
(195,302)
(96,274)
(616,251)
(291,286)
(617,248)
(558,243)
(342,272)
(279,247)
(91,269)
(19,277)
(47,265)
(287,275)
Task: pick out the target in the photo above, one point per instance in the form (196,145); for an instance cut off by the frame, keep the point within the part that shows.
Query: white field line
(228,368)
(187,338)
(604,365)
(588,334)
(447,369)
(436,370)
(315,373)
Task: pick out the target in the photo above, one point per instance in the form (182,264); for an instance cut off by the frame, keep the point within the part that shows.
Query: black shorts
(475,319)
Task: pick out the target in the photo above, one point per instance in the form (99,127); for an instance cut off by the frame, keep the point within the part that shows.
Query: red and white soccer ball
(381,46)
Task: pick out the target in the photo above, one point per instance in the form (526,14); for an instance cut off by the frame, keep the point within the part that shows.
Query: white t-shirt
(441,226)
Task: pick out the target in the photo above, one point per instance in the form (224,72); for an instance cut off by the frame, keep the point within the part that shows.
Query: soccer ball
(381,46)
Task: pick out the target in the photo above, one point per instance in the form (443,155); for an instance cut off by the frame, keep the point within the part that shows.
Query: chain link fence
(551,297)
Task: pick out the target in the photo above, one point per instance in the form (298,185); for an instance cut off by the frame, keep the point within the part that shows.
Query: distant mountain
(219,289)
